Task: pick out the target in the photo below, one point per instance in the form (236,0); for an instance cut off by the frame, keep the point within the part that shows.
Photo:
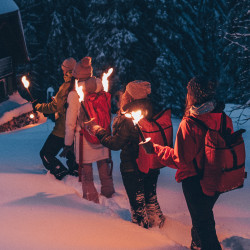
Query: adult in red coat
(187,156)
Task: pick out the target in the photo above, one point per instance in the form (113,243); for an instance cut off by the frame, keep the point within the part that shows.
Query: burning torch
(136,117)
(105,81)
(26,84)
(81,99)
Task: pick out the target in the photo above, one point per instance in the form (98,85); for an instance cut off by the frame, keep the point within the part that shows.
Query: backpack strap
(198,121)
(162,132)
(200,172)
(223,132)
(223,124)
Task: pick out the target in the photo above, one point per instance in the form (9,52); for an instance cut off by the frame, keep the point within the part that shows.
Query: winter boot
(88,188)
(71,163)
(155,215)
(73,168)
(140,218)
(59,172)
(107,186)
(196,243)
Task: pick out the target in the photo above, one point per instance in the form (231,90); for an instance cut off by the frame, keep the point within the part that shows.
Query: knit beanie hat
(68,64)
(138,89)
(83,69)
(201,89)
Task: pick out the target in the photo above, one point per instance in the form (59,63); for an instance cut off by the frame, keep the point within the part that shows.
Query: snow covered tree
(109,39)
(235,51)
(186,37)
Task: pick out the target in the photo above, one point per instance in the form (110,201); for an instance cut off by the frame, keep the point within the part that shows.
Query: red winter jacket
(189,142)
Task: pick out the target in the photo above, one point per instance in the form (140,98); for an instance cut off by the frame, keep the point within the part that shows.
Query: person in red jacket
(187,156)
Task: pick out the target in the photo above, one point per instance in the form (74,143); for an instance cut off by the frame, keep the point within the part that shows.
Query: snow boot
(88,188)
(107,186)
(73,168)
(196,243)
(71,163)
(155,215)
(59,172)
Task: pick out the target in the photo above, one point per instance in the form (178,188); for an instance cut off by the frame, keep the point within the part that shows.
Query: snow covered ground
(39,212)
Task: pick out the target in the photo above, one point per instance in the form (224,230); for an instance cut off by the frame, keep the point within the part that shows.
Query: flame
(32,116)
(79,91)
(25,82)
(105,82)
(135,115)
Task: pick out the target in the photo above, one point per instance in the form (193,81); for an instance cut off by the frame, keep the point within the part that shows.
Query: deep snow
(39,212)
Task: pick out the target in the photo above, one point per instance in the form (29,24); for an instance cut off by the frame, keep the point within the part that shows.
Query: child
(140,187)
(91,151)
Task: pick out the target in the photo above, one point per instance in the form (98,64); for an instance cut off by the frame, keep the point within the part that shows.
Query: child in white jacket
(90,153)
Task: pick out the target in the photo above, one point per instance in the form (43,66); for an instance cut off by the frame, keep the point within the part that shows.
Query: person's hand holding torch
(146,143)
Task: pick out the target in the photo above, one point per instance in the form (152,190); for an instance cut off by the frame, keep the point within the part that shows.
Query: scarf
(204,108)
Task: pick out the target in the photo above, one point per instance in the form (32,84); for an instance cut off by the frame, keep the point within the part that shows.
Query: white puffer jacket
(91,152)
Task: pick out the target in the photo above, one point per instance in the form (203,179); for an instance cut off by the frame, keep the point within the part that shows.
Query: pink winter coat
(189,143)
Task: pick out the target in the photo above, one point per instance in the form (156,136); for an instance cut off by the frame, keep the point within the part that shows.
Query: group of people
(72,125)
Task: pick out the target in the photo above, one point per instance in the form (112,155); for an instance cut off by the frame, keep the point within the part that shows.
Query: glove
(66,150)
(148,147)
(92,127)
(34,103)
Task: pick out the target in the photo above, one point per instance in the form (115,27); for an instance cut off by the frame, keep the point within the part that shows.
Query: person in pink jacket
(187,156)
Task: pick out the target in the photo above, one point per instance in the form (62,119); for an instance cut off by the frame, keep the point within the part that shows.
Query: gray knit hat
(139,89)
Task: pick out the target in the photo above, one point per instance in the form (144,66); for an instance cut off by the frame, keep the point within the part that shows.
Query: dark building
(13,50)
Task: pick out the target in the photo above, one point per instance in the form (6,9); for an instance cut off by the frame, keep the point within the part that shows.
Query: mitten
(92,127)
(148,147)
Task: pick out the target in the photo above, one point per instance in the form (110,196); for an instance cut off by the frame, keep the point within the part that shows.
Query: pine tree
(109,40)
(235,52)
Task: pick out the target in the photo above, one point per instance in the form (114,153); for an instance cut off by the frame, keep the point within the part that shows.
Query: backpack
(224,159)
(160,130)
(98,105)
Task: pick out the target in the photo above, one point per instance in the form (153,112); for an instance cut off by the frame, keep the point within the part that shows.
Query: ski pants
(141,191)
(200,207)
(50,149)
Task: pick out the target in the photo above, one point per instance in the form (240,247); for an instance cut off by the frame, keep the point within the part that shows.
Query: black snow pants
(48,153)
(200,207)
(141,191)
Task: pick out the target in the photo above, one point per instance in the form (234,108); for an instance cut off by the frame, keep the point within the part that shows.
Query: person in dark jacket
(55,141)
(187,156)
(140,187)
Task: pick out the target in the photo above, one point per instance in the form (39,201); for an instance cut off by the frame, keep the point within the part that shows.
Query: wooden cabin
(13,50)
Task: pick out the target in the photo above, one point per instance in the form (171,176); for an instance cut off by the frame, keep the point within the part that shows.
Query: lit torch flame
(135,115)
(79,91)
(81,99)
(25,82)
(32,116)
(105,82)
